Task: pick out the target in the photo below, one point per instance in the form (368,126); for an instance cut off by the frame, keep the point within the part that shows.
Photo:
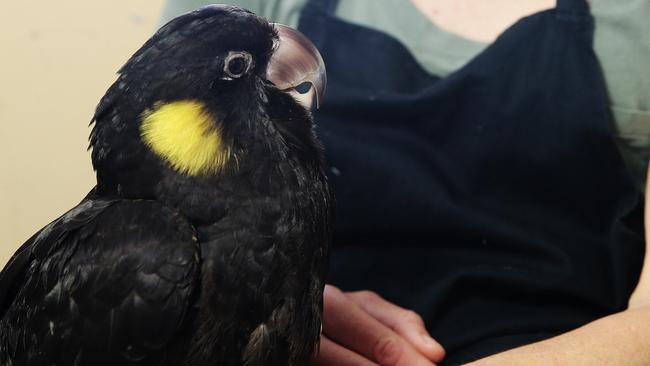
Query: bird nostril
(304,87)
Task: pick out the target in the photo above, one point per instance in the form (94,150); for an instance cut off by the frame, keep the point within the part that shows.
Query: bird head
(207,93)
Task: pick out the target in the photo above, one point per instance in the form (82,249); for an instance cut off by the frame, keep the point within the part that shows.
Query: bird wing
(110,282)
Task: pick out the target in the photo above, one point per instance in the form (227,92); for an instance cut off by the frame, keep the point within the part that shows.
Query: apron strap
(576,11)
(314,17)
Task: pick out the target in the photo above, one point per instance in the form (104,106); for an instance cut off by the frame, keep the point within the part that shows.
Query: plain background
(57,59)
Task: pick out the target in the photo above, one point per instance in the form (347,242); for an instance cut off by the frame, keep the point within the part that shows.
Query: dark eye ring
(237,64)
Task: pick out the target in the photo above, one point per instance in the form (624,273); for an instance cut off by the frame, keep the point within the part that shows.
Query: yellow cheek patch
(187,136)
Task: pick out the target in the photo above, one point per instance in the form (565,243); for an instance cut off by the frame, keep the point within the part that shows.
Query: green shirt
(621,42)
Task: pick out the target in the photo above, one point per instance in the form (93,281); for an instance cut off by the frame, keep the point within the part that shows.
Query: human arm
(618,339)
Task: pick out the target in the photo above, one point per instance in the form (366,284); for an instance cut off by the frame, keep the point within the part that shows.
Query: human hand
(362,329)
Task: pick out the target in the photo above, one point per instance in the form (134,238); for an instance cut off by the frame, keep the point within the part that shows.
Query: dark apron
(492,201)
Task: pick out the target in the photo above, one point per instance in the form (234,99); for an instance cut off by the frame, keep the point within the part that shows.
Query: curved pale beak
(294,62)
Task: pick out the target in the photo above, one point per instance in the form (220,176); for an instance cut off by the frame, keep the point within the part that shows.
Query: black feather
(158,268)
(115,289)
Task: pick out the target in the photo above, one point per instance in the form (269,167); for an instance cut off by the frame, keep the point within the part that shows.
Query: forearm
(618,339)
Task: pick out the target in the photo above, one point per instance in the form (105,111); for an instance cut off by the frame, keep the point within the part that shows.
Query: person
(492,183)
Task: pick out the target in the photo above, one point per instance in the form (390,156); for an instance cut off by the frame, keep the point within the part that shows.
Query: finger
(332,354)
(345,323)
(406,323)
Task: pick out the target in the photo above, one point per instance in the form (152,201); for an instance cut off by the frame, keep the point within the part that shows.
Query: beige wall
(57,59)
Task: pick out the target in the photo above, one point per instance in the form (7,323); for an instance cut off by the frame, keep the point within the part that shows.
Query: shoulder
(622,45)
(106,267)
(44,241)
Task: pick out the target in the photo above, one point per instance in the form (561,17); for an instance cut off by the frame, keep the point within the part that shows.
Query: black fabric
(492,201)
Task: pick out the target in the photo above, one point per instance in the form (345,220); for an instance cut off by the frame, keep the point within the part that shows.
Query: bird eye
(237,64)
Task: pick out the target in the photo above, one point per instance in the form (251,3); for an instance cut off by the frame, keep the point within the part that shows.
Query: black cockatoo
(204,241)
